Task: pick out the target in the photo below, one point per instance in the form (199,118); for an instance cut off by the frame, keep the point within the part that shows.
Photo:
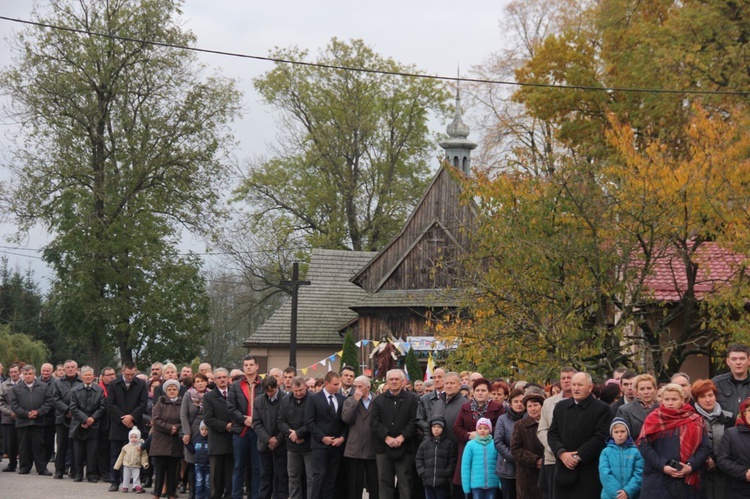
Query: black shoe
(58,476)
(112,488)
(45,473)
(93,480)
(9,468)
(23,472)
(182,489)
(149,483)
(78,479)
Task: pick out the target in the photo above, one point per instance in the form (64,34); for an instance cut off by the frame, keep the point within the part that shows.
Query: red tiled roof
(716,265)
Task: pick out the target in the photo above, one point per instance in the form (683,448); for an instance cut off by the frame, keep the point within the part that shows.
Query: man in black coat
(292,424)
(577,436)
(274,480)
(88,406)
(394,424)
(30,404)
(126,405)
(240,400)
(323,420)
(60,393)
(219,422)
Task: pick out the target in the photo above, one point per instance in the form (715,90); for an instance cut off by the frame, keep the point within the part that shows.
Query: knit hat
(619,420)
(202,425)
(170,382)
(134,431)
(437,421)
(484,421)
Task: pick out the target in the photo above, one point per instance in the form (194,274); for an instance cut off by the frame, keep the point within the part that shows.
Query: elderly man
(577,436)
(360,447)
(46,376)
(394,424)
(448,408)
(428,400)
(88,407)
(219,422)
(30,404)
(292,424)
(60,393)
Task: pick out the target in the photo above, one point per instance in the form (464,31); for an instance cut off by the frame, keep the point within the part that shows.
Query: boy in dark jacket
(436,460)
(199,446)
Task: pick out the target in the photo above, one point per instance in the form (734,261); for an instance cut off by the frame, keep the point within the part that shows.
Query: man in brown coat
(360,447)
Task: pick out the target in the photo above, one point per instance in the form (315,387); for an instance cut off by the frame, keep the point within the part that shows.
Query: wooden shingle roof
(323,305)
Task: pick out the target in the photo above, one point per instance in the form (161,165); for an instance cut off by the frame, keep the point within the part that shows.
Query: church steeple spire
(458,147)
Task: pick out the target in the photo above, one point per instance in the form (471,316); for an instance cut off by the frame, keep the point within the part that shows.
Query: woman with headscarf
(704,394)
(166,445)
(734,455)
(465,427)
(675,446)
(526,448)
(191,416)
(506,463)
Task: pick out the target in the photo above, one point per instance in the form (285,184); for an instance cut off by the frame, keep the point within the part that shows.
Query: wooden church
(402,291)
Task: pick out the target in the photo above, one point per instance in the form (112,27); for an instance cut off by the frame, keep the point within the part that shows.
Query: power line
(378,71)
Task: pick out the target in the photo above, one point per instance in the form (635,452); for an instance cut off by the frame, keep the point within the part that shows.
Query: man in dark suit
(60,393)
(394,424)
(577,436)
(329,432)
(30,404)
(219,422)
(240,400)
(126,405)
(88,406)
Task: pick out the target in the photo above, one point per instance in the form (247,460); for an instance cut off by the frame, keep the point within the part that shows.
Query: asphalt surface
(33,486)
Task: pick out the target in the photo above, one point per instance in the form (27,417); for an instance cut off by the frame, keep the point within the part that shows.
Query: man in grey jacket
(428,401)
(60,393)
(10,436)
(30,404)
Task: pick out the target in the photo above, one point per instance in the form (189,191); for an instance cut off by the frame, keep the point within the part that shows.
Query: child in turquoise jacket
(478,463)
(620,464)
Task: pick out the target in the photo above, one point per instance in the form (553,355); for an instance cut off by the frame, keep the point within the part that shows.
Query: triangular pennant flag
(359,343)
(322,362)
(407,346)
(314,367)
(365,342)
(375,343)
(262,376)
(304,371)
(340,353)
(430,367)
(332,358)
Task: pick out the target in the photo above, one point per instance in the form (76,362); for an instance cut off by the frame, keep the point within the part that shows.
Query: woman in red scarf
(734,455)
(675,446)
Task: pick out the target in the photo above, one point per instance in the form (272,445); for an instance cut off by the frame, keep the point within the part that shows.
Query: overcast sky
(435,35)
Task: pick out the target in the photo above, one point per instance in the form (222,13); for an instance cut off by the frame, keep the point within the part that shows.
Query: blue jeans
(437,492)
(483,493)
(202,477)
(245,449)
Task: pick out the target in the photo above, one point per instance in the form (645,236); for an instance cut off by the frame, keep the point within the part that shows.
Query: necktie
(224,393)
(330,402)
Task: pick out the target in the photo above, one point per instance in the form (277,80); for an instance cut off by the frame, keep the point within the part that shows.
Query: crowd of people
(222,434)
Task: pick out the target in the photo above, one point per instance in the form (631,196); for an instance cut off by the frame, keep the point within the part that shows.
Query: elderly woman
(526,448)
(675,446)
(506,463)
(635,412)
(465,427)
(191,415)
(734,455)
(716,420)
(166,445)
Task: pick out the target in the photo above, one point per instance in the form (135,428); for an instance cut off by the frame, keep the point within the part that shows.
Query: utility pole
(293,287)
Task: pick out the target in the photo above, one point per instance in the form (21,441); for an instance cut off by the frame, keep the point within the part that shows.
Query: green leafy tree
(349,356)
(355,149)
(122,144)
(20,347)
(412,366)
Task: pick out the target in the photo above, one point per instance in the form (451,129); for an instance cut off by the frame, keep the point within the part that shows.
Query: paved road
(33,486)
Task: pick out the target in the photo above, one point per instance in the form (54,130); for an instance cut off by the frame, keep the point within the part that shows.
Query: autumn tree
(122,145)
(354,148)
